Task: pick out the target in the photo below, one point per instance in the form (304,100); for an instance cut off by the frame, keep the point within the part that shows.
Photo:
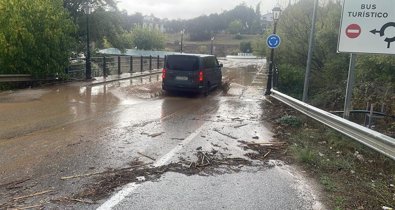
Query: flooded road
(55,140)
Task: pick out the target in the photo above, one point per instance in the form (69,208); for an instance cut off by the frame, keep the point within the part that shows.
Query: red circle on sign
(353,31)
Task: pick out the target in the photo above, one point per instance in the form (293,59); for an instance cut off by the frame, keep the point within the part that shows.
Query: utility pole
(182,37)
(88,71)
(310,54)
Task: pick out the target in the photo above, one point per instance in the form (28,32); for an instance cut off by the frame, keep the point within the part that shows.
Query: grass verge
(351,175)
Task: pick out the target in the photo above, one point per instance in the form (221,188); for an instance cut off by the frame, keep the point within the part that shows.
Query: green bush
(291,80)
(291,120)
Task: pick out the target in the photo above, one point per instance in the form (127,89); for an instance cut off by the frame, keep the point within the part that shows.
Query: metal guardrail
(375,140)
(15,77)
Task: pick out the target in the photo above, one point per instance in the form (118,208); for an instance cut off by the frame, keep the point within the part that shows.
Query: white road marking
(129,188)
(117,198)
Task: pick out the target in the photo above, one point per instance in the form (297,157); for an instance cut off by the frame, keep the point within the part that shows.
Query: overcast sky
(186,9)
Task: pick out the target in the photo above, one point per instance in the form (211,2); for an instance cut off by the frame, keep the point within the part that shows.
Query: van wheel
(207,89)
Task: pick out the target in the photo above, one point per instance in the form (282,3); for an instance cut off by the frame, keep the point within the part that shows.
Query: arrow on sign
(374,31)
(382,30)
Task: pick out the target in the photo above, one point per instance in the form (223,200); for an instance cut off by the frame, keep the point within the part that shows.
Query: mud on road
(93,140)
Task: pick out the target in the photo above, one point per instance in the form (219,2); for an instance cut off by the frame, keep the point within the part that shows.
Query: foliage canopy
(35,37)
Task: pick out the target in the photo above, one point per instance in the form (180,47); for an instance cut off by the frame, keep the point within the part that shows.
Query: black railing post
(131,64)
(104,67)
(119,65)
(275,76)
(150,62)
(157,63)
(141,64)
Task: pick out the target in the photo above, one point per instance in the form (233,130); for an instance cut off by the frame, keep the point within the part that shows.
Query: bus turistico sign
(367,26)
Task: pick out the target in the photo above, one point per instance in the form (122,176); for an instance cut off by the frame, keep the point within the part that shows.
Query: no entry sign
(353,31)
(367,26)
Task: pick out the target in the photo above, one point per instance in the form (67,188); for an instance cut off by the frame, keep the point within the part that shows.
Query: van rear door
(181,70)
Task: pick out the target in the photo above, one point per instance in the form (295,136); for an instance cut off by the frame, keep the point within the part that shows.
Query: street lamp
(212,45)
(88,73)
(276,15)
(182,37)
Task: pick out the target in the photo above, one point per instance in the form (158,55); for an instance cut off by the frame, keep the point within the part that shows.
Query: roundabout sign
(273,41)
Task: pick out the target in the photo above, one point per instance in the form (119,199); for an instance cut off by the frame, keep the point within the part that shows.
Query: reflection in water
(57,106)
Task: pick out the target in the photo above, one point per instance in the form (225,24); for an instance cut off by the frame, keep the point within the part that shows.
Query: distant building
(152,22)
(267,20)
(268,17)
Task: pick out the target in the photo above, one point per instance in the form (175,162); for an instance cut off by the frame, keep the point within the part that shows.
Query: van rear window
(182,63)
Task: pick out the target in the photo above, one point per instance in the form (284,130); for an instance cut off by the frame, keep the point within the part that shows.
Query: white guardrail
(375,140)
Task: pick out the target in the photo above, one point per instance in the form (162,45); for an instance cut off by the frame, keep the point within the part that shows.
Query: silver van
(191,73)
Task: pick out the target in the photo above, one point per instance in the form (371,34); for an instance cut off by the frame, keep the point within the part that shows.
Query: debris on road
(211,162)
(102,172)
(152,135)
(73,200)
(263,150)
(151,158)
(39,206)
(79,176)
(32,195)
(202,161)
(14,184)
(239,126)
(224,134)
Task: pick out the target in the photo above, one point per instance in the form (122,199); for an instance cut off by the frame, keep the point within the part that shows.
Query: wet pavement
(50,137)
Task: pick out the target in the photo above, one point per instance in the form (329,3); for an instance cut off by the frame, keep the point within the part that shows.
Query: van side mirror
(221,65)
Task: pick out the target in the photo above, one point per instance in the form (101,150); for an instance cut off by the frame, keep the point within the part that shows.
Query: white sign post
(367,26)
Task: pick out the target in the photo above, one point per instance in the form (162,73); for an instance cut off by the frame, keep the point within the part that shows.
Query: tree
(235,27)
(35,37)
(105,21)
(104,24)
(145,39)
(75,7)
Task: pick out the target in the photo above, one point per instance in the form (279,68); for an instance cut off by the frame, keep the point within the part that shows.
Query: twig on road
(156,134)
(79,200)
(13,184)
(239,126)
(81,175)
(32,195)
(146,156)
(267,154)
(227,135)
(30,207)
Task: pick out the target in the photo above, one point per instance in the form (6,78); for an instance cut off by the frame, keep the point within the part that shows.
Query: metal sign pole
(310,53)
(350,86)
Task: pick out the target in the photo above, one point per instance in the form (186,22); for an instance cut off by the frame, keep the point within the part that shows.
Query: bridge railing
(112,65)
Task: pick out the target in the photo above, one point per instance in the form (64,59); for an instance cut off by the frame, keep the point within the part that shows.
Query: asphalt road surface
(125,145)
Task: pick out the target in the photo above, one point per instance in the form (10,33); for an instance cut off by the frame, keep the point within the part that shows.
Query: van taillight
(201,76)
(163,73)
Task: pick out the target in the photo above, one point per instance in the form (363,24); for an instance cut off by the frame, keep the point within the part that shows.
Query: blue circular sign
(273,41)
